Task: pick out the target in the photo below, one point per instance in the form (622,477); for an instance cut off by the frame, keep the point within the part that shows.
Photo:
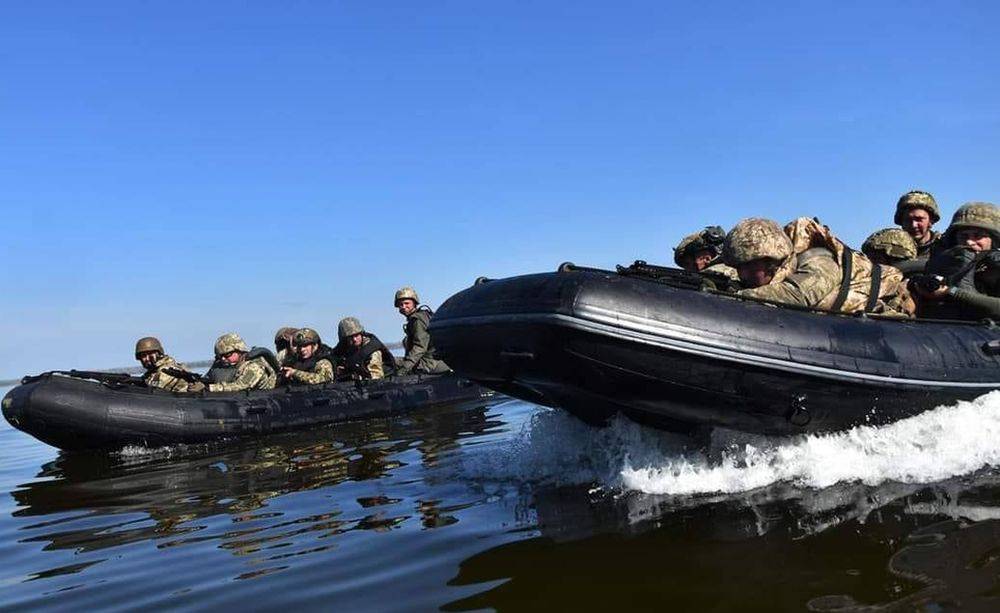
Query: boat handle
(991,347)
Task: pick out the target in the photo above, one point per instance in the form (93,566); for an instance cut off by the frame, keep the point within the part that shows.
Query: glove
(197,386)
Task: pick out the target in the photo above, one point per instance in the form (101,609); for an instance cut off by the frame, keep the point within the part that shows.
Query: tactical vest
(424,313)
(354,360)
(323,352)
(960,268)
(221,372)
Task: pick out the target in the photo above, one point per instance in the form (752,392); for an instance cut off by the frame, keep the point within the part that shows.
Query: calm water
(509,506)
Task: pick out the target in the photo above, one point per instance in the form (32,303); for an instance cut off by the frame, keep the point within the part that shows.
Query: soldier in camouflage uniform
(283,345)
(149,352)
(973,293)
(252,374)
(360,354)
(893,247)
(916,213)
(800,265)
(314,362)
(700,250)
(420,354)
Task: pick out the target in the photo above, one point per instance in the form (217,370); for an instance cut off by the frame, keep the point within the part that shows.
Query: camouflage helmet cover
(709,239)
(755,239)
(893,242)
(406,293)
(306,336)
(228,343)
(147,344)
(284,334)
(983,215)
(916,199)
(349,326)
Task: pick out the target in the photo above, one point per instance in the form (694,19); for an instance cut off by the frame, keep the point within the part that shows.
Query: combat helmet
(893,242)
(756,238)
(710,239)
(982,215)
(916,199)
(228,343)
(405,293)
(147,344)
(306,336)
(285,333)
(349,326)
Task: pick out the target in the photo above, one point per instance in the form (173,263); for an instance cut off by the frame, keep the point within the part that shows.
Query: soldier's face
(975,239)
(357,339)
(702,259)
(232,358)
(306,351)
(757,273)
(918,225)
(148,358)
(406,306)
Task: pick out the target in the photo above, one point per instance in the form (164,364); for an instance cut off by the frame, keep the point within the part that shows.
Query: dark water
(508,506)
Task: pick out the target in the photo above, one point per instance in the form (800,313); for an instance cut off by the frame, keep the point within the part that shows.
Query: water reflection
(94,502)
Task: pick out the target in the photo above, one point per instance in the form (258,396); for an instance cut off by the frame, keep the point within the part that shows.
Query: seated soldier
(916,214)
(894,247)
(963,275)
(283,345)
(360,354)
(251,373)
(800,265)
(420,354)
(698,251)
(150,354)
(314,362)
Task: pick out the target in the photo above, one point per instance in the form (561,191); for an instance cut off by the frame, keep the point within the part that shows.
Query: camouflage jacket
(322,372)
(812,275)
(155,377)
(255,374)
(420,354)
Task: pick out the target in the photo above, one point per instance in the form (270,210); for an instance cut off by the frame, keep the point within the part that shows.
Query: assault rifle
(111,378)
(185,375)
(678,277)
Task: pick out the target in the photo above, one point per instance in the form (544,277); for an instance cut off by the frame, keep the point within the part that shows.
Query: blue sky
(185,169)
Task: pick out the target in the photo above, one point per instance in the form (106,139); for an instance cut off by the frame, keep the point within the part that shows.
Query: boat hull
(76,414)
(598,343)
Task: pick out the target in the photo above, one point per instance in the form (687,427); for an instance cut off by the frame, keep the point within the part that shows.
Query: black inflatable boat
(73,413)
(665,352)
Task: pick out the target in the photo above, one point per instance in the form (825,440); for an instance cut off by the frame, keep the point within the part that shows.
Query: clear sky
(184,169)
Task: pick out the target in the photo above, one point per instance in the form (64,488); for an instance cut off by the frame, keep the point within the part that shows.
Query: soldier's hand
(196,386)
(287,371)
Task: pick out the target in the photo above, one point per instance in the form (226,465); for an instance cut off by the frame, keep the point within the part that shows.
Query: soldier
(893,247)
(361,355)
(420,355)
(698,251)
(150,354)
(254,373)
(964,273)
(314,362)
(916,212)
(800,265)
(283,345)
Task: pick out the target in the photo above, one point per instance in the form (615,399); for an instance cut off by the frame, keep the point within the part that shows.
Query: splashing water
(555,448)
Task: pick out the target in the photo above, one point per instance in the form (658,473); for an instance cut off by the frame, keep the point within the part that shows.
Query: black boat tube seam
(649,334)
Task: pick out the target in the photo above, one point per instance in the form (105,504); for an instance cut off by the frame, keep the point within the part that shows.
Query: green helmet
(916,199)
(983,215)
(228,343)
(893,242)
(306,336)
(349,326)
(406,293)
(754,239)
(710,239)
(147,344)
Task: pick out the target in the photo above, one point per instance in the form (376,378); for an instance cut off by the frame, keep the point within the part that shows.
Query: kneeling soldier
(150,354)
(251,374)
(314,361)
(361,354)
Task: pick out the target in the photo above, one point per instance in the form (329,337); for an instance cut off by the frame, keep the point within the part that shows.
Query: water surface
(509,506)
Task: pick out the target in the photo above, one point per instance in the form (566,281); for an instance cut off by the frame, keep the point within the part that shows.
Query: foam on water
(555,448)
